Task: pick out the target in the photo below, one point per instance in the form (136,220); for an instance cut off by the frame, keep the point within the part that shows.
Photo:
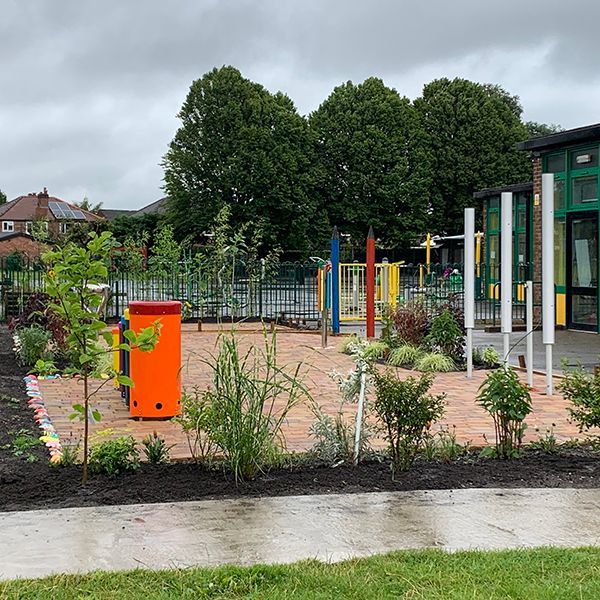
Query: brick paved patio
(293,346)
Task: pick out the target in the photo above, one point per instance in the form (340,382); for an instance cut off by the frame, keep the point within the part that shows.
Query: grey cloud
(89,90)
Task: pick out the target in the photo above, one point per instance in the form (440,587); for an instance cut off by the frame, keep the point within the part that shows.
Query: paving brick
(470,422)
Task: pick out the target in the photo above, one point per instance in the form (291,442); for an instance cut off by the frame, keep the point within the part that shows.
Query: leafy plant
(411,323)
(406,410)
(21,444)
(582,389)
(503,396)
(14,402)
(73,273)
(446,336)
(434,362)
(547,443)
(166,252)
(491,358)
(335,438)
(404,356)
(155,449)
(193,419)
(477,356)
(113,457)
(249,400)
(31,345)
(38,311)
(348,344)
(448,448)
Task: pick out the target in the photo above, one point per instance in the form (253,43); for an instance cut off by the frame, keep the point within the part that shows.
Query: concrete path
(280,530)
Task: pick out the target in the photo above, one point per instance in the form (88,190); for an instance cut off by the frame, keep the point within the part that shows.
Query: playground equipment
(156,375)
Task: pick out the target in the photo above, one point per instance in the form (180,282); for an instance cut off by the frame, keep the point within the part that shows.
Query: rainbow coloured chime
(42,418)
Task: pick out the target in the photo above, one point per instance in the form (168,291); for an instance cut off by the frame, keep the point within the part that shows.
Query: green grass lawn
(527,574)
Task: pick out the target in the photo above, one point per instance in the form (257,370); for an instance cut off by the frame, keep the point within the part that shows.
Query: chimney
(43,198)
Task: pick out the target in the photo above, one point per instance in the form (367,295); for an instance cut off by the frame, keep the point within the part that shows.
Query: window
(560,251)
(8,226)
(559,194)
(64,226)
(29,227)
(555,163)
(585,189)
(584,159)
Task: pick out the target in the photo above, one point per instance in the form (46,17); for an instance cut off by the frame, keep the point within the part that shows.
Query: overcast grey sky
(89,89)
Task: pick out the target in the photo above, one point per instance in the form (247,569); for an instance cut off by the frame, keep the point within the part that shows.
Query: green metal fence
(286,291)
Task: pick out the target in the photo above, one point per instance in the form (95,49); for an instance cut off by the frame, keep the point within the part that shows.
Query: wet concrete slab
(281,530)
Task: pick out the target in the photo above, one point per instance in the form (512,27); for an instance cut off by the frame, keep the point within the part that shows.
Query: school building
(572,156)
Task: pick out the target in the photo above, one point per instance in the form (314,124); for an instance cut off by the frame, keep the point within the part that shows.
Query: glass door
(582,274)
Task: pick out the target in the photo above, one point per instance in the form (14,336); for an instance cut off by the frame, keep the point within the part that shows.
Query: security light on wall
(583,159)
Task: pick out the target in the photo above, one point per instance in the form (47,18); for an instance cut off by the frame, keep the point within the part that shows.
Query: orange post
(370,274)
(157,385)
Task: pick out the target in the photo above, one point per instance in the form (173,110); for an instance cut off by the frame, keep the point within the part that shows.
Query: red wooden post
(370,273)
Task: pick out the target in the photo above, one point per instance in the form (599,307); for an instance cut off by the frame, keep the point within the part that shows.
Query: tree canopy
(241,146)
(469,137)
(366,156)
(3,198)
(365,172)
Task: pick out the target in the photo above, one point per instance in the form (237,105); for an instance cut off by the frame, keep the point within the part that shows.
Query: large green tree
(469,136)
(3,198)
(367,172)
(241,146)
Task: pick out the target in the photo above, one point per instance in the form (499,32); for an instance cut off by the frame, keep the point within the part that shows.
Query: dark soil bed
(26,485)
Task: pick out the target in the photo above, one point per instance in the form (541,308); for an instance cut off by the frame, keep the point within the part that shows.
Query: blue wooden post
(335,281)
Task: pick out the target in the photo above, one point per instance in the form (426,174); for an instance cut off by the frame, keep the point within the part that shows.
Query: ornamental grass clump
(250,398)
(503,396)
(406,411)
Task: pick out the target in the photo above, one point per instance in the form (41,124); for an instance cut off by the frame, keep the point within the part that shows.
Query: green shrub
(446,336)
(406,410)
(114,456)
(434,362)
(477,357)
(193,419)
(410,323)
(491,358)
(335,438)
(582,389)
(155,449)
(508,401)
(404,356)
(31,345)
(348,344)
(250,399)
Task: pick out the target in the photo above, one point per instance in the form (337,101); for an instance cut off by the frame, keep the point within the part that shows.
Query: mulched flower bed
(33,485)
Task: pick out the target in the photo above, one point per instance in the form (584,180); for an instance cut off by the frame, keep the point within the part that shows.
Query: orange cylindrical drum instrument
(156,375)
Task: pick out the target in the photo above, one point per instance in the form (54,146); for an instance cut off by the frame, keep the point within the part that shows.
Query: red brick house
(18,215)
(20,243)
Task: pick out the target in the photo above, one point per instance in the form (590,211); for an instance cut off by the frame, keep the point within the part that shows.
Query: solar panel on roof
(56,209)
(61,210)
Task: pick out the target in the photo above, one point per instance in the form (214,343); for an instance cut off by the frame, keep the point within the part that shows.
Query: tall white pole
(529,325)
(360,409)
(548,300)
(469,285)
(506,271)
